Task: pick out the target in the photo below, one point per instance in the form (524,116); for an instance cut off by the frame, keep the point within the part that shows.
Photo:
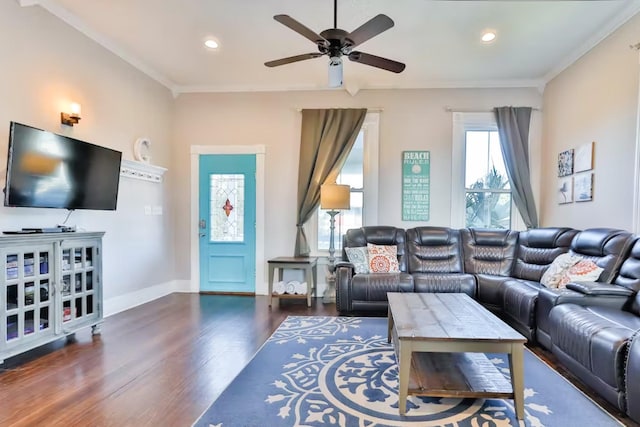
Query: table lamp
(333,197)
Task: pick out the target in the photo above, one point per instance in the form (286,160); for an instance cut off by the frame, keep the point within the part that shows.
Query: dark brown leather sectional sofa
(592,327)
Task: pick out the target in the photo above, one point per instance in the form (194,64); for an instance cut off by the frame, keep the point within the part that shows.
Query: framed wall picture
(416,167)
(583,187)
(565,190)
(583,158)
(565,163)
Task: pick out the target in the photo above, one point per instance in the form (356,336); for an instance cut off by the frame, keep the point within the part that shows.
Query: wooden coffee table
(440,340)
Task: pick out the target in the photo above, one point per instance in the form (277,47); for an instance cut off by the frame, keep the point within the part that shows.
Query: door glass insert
(66,285)
(29,326)
(28,264)
(226,207)
(29,293)
(77,257)
(44,290)
(44,318)
(12,297)
(66,259)
(12,327)
(78,282)
(66,311)
(44,263)
(78,308)
(12,267)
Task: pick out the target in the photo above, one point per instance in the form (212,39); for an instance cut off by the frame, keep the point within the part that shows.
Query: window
(480,191)
(360,172)
(487,189)
(352,174)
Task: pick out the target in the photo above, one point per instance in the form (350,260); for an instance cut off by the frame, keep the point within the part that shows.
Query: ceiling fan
(336,43)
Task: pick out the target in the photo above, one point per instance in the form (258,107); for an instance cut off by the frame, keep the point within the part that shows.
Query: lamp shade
(335,196)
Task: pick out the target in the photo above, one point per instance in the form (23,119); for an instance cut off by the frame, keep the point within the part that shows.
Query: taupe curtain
(326,140)
(513,128)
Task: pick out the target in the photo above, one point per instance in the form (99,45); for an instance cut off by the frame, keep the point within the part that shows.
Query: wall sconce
(73,117)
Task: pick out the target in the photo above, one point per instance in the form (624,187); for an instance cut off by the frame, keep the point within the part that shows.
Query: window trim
(463,122)
(371,130)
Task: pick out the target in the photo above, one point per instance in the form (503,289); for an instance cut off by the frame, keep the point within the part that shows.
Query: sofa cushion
(607,247)
(519,306)
(583,271)
(359,257)
(434,250)
(374,287)
(558,269)
(378,235)
(488,251)
(448,282)
(383,259)
(490,292)
(595,338)
(537,248)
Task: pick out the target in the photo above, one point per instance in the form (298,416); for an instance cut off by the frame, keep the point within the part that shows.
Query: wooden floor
(160,364)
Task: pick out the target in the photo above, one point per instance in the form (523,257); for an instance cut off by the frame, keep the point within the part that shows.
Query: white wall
(596,99)
(410,120)
(45,65)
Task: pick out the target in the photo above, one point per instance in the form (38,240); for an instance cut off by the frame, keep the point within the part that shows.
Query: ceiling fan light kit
(335,72)
(336,43)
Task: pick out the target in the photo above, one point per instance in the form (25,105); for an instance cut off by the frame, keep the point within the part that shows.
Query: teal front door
(227,222)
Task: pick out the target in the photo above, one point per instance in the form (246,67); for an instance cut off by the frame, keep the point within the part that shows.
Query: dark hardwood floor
(159,364)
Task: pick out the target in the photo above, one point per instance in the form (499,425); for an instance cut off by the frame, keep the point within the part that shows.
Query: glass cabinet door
(26,294)
(78,291)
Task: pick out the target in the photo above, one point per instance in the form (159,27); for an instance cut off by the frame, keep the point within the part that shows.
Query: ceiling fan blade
(369,29)
(377,61)
(291,59)
(288,21)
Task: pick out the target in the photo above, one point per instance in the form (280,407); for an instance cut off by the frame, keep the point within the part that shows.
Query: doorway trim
(260,152)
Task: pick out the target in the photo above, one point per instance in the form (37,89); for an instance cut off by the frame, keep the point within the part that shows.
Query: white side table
(308,264)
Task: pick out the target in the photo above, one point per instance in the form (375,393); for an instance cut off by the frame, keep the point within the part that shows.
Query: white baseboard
(133,299)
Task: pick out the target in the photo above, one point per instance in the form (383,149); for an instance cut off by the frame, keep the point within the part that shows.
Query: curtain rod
(369,110)
(470,110)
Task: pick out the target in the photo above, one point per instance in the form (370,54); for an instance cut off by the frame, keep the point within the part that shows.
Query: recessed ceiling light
(488,36)
(211,44)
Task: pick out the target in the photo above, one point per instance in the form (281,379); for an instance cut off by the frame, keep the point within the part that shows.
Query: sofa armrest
(344,275)
(549,298)
(344,264)
(632,378)
(599,288)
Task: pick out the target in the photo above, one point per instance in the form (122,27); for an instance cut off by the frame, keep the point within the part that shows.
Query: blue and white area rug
(340,371)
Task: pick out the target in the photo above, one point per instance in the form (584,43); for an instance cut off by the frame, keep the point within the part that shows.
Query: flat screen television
(47,170)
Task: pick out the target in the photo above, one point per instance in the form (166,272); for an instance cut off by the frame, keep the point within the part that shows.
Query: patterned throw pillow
(556,271)
(582,271)
(359,257)
(383,259)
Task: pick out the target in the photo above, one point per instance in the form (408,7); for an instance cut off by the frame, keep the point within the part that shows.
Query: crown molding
(440,84)
(620,19)
(76,22)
